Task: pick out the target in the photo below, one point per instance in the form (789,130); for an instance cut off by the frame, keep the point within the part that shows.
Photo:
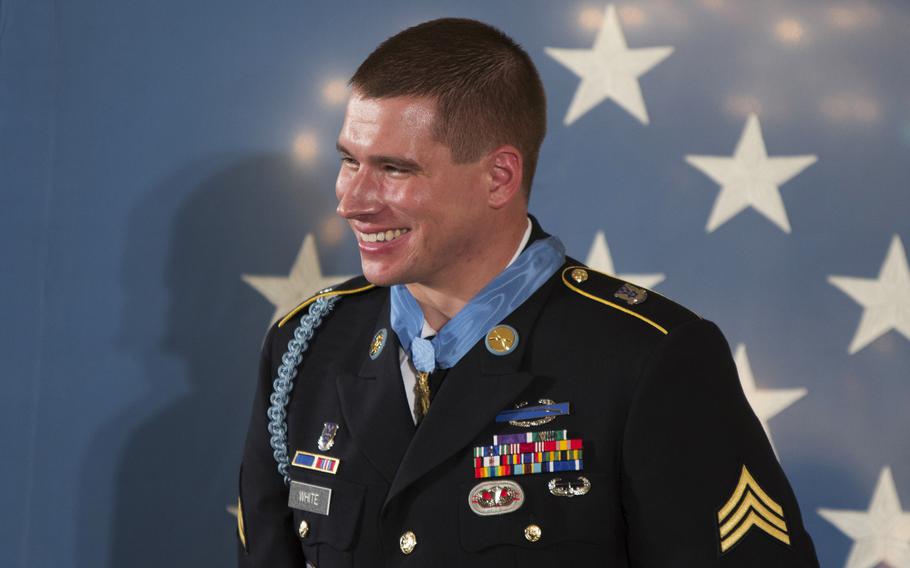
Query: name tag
(310,498)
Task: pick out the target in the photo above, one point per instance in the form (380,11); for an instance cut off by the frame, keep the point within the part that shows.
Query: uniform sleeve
(266,537)
(701,484)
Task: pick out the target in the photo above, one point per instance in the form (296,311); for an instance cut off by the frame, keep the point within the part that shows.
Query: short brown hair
(486,87)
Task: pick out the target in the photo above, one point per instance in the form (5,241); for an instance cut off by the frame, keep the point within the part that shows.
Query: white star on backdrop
(881,533)
(600,259)
(286,292)
(750,178)
(609,70)
(886,299)
(767,403)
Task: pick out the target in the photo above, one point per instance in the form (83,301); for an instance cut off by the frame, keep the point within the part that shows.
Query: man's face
(418,217)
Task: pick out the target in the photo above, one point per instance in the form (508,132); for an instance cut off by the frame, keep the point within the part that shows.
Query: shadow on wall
(168,464)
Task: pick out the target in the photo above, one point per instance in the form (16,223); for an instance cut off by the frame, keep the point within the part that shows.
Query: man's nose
(357,194)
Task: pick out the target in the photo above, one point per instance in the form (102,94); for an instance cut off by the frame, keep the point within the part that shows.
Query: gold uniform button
(533,533)
(303,529)
(579,275)
(408,542)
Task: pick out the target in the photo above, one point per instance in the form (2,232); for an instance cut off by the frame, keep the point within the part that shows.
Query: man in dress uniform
(477,398)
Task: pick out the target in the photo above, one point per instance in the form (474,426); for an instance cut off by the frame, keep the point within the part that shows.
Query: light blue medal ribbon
(489,307)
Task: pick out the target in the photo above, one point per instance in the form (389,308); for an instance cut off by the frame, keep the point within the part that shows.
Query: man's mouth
(382,236)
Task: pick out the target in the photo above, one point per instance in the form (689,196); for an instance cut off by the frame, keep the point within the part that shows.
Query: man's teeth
(389,235)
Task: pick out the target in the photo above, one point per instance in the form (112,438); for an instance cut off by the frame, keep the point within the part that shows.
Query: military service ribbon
(535,457)
(523,469)
(528,452)
(524,437)
(316,462)
(528,447)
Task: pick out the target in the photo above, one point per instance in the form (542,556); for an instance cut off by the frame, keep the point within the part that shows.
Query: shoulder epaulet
(353,286)
(650,307)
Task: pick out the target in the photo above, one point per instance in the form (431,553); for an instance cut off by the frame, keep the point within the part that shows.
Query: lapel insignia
(378,343)
(316,462)
(748,507)
(327,438)
(526,416)
(569,488)
(502,340)
(496,497)
(631,295)
(528,453)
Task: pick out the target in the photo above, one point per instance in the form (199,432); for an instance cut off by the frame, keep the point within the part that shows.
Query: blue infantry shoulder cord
(284,383)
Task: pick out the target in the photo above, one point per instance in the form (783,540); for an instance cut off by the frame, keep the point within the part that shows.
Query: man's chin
(381,277)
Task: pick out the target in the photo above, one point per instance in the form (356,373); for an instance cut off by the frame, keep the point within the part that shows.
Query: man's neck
(441,303)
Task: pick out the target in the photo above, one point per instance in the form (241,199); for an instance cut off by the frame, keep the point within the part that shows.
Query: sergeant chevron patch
(748,507)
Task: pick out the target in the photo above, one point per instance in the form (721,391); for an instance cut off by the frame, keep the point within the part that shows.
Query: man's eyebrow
(394,161)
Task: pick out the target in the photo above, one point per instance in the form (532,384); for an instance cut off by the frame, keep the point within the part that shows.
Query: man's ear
(505,169)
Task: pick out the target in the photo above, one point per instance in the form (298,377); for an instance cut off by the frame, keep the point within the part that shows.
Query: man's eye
(348,161)
(395,171)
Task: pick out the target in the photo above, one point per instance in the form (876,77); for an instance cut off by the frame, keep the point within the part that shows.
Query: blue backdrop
(163,163)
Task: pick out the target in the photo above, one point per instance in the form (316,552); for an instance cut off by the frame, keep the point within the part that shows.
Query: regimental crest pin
(750,507)
(378,343)
(327,437)
(631,294)
(496,497)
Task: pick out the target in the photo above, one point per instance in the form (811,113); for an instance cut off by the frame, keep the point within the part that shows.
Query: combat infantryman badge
(496,497)
(525,416)
(748,507)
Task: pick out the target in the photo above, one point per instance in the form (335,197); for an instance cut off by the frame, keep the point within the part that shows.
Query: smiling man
(423,214)
(477,398)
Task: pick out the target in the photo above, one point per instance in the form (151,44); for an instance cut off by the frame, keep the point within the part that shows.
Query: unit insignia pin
(631,294)
(496,497)
(502,339)
(526,416)
(569,488)
(579,275)
(378,343)
(327,438)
